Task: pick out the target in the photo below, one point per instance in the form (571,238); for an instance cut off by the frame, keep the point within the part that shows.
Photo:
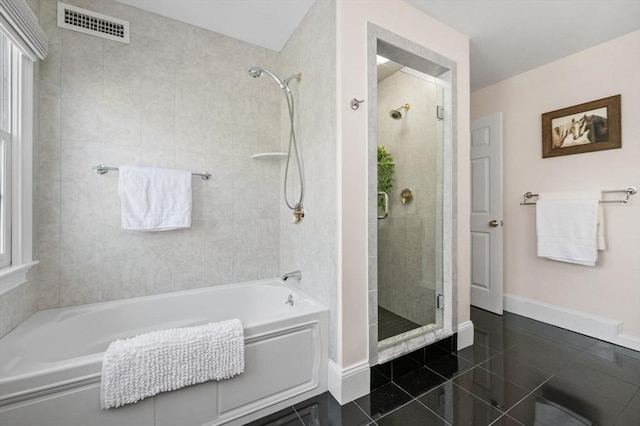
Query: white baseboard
(465,334)
(590,325)
(349,383)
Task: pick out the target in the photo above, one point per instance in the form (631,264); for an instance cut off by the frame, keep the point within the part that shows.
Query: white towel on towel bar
(154,199)
(570,226)
(166,360)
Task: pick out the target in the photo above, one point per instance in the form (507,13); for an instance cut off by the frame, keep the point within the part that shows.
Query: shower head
(396,114)
(256,72)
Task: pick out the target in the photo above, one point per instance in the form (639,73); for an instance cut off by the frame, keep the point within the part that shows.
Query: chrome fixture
(355,103)
(385,197)
(627,191)
(102,169)
(256,72)
(396,114)
(294,274)
(289,300)
(297,207)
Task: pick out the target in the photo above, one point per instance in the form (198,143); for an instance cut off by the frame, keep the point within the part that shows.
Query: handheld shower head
(256,72)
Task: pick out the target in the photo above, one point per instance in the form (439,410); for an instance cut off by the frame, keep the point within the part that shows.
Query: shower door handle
(386,205)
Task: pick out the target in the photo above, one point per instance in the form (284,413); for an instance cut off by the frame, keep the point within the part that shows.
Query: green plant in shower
(386,167)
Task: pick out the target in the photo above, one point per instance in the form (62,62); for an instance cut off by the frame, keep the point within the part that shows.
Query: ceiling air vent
(88,22)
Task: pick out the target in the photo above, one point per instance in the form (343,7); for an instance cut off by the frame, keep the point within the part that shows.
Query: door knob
(494,223)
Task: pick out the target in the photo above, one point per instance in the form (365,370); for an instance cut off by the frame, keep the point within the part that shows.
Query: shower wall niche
(410,237)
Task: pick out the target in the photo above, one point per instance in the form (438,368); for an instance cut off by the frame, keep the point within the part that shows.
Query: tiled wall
(176,96)
(311,246)
(409,237)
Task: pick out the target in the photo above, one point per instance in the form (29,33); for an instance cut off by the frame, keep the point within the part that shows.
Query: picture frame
(588,127)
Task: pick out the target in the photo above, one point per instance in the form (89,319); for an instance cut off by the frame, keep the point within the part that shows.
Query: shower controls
(298,214)
(406,196)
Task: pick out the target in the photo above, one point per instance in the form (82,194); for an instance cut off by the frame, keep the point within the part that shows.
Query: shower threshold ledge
(401,344)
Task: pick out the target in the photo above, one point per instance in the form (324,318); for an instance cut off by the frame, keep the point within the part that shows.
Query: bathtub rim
(88,367)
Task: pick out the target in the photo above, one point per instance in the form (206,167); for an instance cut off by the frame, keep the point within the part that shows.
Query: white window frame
(21,179)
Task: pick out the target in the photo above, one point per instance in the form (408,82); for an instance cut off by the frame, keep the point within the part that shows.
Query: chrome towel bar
(102,169)
(628,191)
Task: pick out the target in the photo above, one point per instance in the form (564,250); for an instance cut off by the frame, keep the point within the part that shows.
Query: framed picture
(592,126)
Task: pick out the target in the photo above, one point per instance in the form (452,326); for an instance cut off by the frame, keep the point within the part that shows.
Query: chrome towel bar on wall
(628,191)
(102,169)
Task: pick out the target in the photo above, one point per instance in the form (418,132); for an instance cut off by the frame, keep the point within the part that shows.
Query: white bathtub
(50,365)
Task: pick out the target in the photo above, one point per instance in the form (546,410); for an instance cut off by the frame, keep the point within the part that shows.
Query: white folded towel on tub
(154,199)
(166,360)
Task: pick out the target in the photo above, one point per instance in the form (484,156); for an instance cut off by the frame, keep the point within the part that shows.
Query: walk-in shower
(297,207)
(411,289)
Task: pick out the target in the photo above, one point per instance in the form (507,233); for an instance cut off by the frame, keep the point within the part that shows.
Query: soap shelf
(270,156)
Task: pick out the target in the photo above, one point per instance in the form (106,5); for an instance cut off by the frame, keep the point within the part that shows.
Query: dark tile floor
(518,372)
(391,324)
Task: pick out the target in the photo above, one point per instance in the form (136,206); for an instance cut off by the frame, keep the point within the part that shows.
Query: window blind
(25,23)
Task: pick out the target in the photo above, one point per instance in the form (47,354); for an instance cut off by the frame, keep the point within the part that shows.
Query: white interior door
(486,213)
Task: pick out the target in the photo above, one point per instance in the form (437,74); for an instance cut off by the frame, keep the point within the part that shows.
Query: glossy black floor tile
(412,414)
(523,375)
(612,360)
(497,337)
(542,354)
(492,389)
(383,400)
(518,372)
(405,365)
(535,410)
(596,396)
(459,407)
(420,381)
(325,410)
(505,420)
(286,417)
(379,377)
(450,366)
(476,353)
(548,332)
(631,413)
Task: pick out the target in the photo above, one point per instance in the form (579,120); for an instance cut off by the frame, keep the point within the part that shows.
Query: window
(16,129)
(5,153)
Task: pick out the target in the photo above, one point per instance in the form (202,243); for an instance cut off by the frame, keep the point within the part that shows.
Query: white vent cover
(88,22)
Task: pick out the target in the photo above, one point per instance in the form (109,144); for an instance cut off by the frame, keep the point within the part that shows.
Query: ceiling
(507,37)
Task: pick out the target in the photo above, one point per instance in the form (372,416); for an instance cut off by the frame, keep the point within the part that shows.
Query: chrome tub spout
(295,274)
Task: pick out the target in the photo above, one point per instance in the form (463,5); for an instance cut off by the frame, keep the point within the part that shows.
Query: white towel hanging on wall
(155,199)
(570,226)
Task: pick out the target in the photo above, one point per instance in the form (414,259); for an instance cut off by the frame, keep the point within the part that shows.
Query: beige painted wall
(611,289)
(406,21)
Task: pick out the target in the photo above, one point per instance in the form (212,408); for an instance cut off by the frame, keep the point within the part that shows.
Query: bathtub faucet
(295,274)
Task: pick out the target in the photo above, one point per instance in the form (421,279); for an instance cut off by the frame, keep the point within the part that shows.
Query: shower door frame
(420,58)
